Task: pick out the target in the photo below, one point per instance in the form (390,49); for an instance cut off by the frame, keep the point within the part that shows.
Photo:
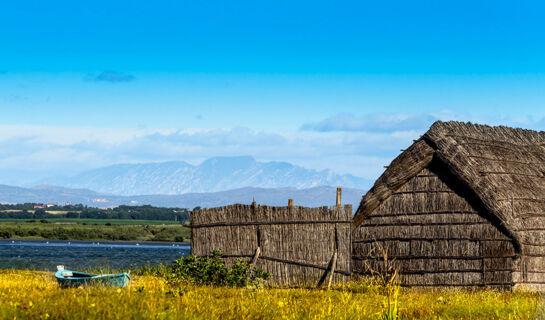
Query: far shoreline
(101,242)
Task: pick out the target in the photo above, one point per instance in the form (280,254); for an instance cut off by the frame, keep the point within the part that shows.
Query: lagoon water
(77,255)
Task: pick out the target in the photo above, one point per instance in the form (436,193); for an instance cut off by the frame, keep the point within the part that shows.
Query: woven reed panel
(297,243)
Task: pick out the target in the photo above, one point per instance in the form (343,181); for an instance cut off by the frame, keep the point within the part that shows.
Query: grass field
(35,295)
(50,231)
(99,221)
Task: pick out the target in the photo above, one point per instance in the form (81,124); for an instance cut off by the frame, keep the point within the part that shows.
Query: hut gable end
(499,170)
(504,167)
(435,236)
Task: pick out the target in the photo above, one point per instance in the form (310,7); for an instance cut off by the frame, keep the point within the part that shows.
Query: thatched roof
(502,167)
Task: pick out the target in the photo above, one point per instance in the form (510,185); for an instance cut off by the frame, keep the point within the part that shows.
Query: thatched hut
(463,206)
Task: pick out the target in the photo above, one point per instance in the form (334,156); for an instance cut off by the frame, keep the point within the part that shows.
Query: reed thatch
(298,245)
(463,206)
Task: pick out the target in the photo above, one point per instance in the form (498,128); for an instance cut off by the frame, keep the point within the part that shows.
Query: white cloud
(71,135)
(49,151)
(372,123)
(65,150)
(398,122)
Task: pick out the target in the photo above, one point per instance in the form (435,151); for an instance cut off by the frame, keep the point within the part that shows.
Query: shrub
(6,234)
(211,270)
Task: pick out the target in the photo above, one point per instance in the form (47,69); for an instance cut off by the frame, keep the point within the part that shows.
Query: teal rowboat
(68,278)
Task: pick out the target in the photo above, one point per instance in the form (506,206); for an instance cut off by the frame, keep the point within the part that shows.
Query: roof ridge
(499,133)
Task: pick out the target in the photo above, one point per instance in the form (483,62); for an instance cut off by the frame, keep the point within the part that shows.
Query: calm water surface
(46,255)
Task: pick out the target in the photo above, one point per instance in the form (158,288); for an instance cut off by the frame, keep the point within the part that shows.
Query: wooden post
(328,274)
(256,256)
(290,203)
(332,272)
(339,191)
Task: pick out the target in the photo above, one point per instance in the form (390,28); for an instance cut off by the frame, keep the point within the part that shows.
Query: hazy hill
(212,175)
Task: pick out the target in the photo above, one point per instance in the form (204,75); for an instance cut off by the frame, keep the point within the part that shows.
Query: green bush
(6,234)
(211,270)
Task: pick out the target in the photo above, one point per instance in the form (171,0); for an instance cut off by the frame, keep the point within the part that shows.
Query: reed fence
(297,245)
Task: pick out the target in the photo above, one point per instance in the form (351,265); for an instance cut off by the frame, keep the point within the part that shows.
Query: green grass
(50,231)
(98,221)
(36,295)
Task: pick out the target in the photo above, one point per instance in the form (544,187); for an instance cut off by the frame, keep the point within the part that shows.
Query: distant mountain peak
(212,175)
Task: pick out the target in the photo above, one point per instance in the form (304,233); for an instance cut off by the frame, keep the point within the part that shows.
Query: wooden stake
(256,256)
(334,259)
(329,271)
(332,271)
(339,191)
(290,203)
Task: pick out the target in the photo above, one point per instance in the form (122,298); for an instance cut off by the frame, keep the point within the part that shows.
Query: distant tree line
(146,212)
(93,232)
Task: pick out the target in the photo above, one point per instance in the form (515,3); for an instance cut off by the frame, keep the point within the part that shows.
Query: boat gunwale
(89,276)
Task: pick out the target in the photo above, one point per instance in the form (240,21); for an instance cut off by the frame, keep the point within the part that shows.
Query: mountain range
(311,197)
(212,175)
(215,182)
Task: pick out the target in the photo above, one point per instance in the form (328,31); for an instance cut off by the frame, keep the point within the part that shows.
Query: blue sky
(341,85)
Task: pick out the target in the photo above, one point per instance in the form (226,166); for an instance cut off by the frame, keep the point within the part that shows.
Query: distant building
(39,206)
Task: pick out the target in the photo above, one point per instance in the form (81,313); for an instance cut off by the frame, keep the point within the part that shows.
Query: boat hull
(67,278)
